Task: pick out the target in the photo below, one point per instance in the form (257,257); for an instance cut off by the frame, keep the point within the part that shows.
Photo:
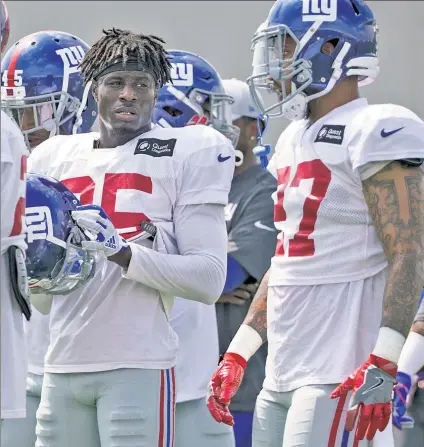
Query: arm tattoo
(256,317)
(395,197)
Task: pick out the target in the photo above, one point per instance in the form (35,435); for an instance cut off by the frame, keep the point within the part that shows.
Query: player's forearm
(403,288)
(395,199)
(253,332)
(197,277)
(256,317)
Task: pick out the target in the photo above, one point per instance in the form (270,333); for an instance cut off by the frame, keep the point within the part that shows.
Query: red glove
(224,385)
(371,402)
(197,119)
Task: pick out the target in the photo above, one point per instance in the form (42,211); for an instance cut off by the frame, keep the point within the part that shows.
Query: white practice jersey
(326,232)
(113,322)
(38,339)
(328,275)
(198,353)
(13,169)
(13,346)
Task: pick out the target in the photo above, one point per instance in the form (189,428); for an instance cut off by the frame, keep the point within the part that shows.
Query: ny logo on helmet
(71,57)
(182,74)
(325,10)
(40,225)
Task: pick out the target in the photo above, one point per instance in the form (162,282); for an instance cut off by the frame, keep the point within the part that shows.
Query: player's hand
(402,389)
(240,296)
(370,405)
(197,119)
(223,386)
(97,225)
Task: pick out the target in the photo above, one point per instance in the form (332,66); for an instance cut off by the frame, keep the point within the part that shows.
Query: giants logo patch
(332,134)
(155,147)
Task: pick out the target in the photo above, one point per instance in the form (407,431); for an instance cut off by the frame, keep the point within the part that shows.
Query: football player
(42,89)
(13,283)
(196,96)
(338,301)
(158,224)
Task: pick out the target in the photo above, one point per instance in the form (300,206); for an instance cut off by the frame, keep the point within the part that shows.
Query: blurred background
(221,32)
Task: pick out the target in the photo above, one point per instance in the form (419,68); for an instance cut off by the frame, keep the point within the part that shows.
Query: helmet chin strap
(50,125)
(296,108)
(78,116)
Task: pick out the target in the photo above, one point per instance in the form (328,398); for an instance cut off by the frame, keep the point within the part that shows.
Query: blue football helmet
(42,88)
(55,264)
(196,89)
(5,25)
(348,24)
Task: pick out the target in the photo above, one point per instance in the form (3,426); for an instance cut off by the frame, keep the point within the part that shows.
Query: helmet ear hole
(329,46)
(172,111)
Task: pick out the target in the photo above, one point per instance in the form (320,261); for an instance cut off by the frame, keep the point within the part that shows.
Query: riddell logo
(155,147)
(325,10)
(333,134)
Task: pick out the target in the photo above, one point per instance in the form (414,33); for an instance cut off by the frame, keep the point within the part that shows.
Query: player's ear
(252,129)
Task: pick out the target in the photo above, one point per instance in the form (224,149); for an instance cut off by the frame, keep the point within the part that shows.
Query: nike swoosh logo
(385,134)
(380,382)
(221,158)
(261,226)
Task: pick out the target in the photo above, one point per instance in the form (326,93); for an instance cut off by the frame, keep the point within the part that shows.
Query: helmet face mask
(217,108)
(72,272)
(42,113)
(275,68)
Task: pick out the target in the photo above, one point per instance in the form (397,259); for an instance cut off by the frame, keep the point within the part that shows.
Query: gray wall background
(221,32)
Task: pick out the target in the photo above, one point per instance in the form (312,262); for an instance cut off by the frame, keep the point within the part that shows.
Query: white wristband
(412,358)
(389,344)
(246,342)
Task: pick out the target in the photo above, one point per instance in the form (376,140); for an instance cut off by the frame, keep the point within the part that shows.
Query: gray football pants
(195,427)
(124,407)
(21,432)
(304,417)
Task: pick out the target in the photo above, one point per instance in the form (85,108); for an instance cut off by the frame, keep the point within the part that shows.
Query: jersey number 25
(127,224)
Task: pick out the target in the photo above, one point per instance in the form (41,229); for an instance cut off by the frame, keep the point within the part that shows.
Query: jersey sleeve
(386,133)
(206,174)
(252,239)
(12,142)
(6,152)
(41,157)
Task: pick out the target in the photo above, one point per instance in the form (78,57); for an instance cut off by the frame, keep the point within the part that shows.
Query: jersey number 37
(301,244)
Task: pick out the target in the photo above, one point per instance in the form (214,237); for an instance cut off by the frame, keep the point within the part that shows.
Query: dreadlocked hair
(123,44)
